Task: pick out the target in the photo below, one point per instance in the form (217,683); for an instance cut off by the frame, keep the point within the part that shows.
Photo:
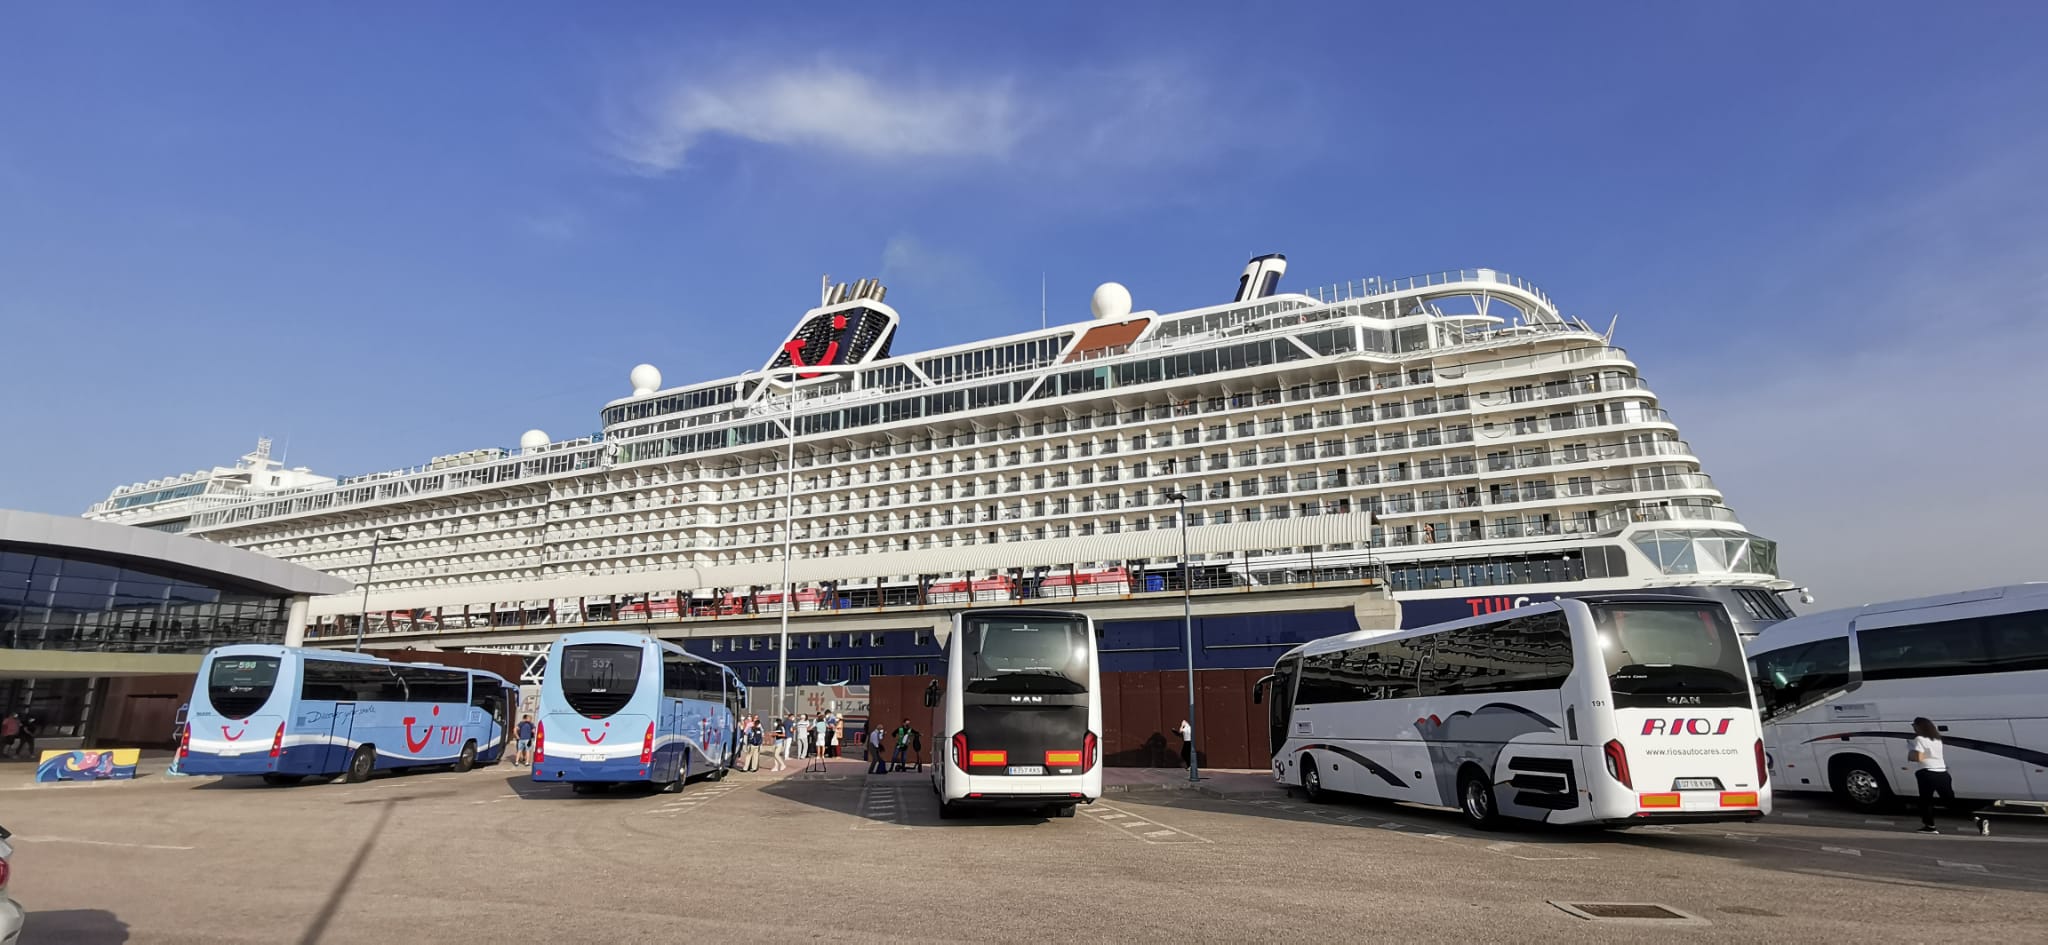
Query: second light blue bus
(619,707)
(291,713)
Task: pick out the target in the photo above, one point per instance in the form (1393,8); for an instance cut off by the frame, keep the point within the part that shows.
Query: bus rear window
(1023,655)
(598,679)
(1670,649)
(238,686)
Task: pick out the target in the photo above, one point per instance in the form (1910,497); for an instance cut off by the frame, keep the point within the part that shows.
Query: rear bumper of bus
(1023,790)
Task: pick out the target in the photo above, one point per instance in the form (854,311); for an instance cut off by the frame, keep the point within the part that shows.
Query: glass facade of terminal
(54,601)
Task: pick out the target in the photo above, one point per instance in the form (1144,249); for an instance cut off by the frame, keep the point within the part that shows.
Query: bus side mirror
(931,694)
(1259,689)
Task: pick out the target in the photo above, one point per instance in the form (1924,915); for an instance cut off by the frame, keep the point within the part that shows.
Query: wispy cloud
(823,107)
(1890,439)
(555,226)
(1139,114)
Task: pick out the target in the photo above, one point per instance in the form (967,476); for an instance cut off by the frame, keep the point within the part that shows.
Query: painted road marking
(1845,851)
(1972,867)
(98,843)
(1524,852)
(1158,834)
(880,808)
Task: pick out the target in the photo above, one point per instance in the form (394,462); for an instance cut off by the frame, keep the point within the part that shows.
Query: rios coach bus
(1600,709)
(618,707)
(288,714)
(1840,691)
(1017,718)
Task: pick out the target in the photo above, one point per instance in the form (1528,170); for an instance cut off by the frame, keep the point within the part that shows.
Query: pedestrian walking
(10,730)
(1930,771)
(874,740)
(818,730)
(902,744)
(522,752)
(754,744)
(837,731)
(1187,742)
(832,736)
(801,731)
(917,749)
(781,744)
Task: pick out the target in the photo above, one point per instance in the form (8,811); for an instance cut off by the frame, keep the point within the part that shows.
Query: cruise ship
(168,504)
(1452,439)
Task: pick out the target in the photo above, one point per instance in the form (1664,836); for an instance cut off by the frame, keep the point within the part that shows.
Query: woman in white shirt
(1930,770)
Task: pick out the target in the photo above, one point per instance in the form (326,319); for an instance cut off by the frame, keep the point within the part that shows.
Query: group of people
(816,737)
(909,747)
(18,735)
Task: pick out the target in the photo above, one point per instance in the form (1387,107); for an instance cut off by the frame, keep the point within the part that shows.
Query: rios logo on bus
(1686,726)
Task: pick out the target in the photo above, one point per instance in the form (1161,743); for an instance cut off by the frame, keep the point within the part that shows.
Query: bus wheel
(361,764)
(283,779)
(672,787)
(1062,810)
(466,760)
(1312,781)
(1476,801)
(1858,782)
(949,811)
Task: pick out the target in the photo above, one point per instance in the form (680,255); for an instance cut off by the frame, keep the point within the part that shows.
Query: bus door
(338,734)
(1280,703)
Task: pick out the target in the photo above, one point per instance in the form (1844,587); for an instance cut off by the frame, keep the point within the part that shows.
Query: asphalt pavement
(842,856)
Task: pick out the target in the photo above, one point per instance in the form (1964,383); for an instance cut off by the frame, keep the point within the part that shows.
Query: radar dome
(1111,301)
(646,380)
(532,440)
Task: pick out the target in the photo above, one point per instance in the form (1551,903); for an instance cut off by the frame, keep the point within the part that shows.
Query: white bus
(1017,717)
(1840,690)
(1608,709)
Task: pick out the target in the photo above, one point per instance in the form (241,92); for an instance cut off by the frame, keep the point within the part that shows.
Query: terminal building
(102,626)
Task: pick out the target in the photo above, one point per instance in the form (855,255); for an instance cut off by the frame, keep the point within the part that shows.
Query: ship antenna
(1609,339)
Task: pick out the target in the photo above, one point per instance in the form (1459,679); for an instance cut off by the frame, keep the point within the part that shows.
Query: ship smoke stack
(1261,277)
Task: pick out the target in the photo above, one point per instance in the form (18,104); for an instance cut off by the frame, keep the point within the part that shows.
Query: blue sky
(386,234)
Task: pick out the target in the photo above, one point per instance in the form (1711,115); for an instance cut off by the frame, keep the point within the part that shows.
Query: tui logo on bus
(600,735)
(236,736)
(450,734)
(1686,726)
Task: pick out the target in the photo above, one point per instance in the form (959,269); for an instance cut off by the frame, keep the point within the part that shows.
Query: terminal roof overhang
(57,534)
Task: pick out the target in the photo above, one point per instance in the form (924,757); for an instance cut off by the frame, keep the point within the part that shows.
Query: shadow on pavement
(522,783)
(75,926)
(845,788)
(318,927)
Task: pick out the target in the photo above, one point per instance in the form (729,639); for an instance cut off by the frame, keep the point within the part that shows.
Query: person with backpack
(781,757)
(753,762)
(876,763)
(917,749)
(902,743)
(522,751)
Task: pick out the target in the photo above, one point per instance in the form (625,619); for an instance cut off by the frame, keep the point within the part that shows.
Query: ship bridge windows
(1700,551)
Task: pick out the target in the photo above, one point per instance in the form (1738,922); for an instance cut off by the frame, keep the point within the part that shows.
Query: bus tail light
(1063,759)
(1089,744)
(540,742)
(995,757)
(184,745)
(1665,799)
(1763,765)
(277,741)
(3,873)
(1617,762)
(960,750)
(647,745)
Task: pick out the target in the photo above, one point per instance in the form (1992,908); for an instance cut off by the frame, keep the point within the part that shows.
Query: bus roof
(632,638)
(1833,623)
(349,656)
(1344,641)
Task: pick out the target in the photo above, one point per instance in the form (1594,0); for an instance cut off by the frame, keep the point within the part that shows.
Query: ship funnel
(1261,277)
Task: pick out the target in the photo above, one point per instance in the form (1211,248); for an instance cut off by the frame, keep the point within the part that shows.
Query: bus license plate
(593,757)
(1696,784)
(1027,769)
(231,753)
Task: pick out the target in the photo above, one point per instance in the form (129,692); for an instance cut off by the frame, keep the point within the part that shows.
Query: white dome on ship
(532,440)
(1111,301)
(646,380)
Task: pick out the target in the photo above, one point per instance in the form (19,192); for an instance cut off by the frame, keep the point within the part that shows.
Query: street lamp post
(794,373)
(1187,619)
(363,618)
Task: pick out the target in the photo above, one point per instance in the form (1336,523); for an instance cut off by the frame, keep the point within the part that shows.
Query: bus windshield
(1027,655)
(598,679)
(1670,648)
(240,685)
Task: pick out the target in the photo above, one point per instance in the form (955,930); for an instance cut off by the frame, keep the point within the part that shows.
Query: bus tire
(1312,781)
(466,760)
(361,764)
(1859,782)
(950,811)
(281,780)
(1476,799)
(1063,810)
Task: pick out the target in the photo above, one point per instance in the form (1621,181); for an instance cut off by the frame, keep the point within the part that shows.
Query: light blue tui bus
(617,707)
(291,713)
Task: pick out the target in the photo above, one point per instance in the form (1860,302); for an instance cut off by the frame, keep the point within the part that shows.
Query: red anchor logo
(411,745)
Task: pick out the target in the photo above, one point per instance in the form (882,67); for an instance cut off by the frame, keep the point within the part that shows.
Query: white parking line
(1972,867)
(98,843)
(1159,834)
(1845,851)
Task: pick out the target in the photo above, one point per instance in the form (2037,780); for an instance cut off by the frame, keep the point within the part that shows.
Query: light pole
(795,373)
(1187,619)
(363,619)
